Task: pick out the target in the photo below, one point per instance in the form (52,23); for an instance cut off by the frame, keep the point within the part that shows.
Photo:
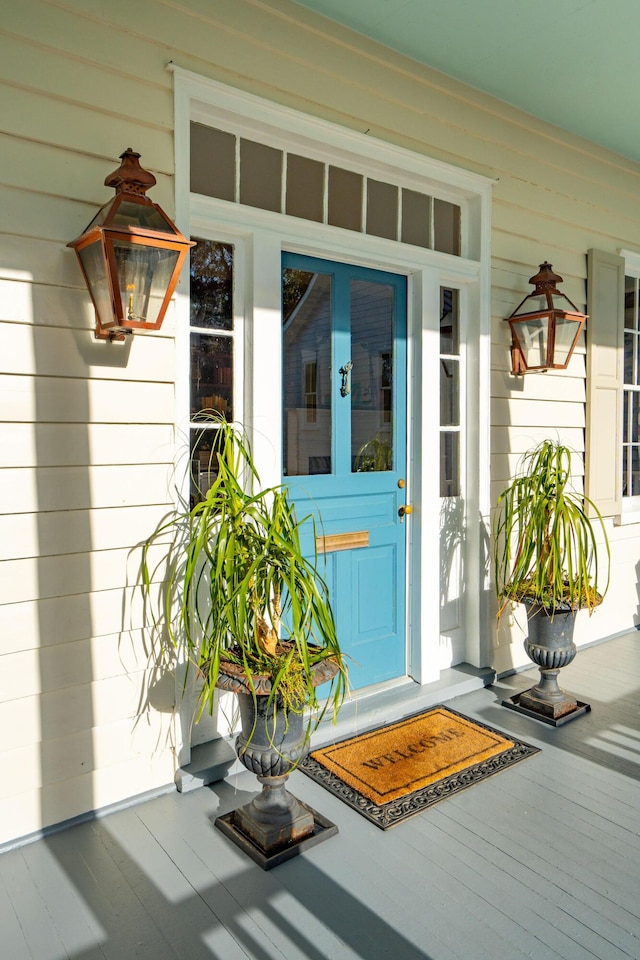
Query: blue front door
(344,443)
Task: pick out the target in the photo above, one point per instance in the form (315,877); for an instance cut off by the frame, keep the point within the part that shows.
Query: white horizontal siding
(56,620)
(57,444)
(25,535)
(66,575)
(59,713)
(51,489)
(29,349)
(28,673)
(77,755)
(21,813)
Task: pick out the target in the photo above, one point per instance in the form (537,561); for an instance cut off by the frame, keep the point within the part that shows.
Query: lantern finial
(130,177)
(546,279)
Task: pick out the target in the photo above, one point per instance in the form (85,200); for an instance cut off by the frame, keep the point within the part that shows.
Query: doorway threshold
(366,710)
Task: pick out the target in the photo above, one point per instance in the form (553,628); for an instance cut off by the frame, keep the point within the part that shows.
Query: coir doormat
(394,772)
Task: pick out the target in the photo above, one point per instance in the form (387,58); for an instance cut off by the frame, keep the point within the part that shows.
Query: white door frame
(260,237)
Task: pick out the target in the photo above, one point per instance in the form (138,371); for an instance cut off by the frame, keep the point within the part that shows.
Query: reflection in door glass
(371,376)
(307,328)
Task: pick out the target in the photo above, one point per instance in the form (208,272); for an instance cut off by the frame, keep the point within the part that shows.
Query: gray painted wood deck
(541,861)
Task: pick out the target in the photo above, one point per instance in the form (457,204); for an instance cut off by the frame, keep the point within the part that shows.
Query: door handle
(404,511)
(345,373)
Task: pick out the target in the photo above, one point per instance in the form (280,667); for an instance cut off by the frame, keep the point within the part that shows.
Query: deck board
(540,861)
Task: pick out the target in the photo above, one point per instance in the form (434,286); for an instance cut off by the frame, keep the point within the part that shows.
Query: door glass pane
(371,376)
(307,328)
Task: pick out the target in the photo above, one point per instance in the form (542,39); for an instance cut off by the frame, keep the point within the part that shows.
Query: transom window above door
(240,170)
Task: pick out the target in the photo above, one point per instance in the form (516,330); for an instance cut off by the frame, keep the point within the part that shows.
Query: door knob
(404,510)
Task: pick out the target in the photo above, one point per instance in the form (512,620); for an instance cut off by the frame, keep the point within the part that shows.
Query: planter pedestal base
(274,818)
(550,645)
(271,841)
(547,697)
(274,826)
(516,703)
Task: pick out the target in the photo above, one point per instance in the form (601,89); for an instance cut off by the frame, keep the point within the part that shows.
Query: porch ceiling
(573,63)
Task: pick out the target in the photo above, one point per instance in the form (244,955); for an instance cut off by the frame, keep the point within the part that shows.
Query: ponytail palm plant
(546,549)
(239,593)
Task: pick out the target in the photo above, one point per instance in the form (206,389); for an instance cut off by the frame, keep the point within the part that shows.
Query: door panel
(344,450)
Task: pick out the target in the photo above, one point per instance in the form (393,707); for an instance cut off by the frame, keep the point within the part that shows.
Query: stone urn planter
(236,581)
(550,645)
(549,541)
(274,825)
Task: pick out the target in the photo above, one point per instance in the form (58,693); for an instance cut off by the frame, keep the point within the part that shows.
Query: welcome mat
(394,772)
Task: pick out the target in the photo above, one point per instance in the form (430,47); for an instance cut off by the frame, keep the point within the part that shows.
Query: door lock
(404,511)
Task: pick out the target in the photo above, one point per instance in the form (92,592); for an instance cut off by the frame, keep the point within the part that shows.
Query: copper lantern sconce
(130,255)
(545,327)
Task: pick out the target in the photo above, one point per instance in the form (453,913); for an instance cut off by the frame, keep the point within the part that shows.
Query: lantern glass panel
(143,215)
(144,275)
(560,302)
(129,213)
(533,337)
(93,265)
(566,329)
(536,303)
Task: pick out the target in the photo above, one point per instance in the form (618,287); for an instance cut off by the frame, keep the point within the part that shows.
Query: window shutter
(605,331)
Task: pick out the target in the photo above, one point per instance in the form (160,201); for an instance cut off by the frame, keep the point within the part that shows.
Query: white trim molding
(263,235)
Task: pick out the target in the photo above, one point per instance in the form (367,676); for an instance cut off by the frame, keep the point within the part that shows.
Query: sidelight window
(211,354)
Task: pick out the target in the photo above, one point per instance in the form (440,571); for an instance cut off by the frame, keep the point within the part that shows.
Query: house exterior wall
(89,429)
